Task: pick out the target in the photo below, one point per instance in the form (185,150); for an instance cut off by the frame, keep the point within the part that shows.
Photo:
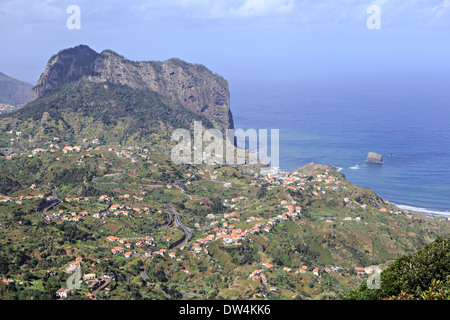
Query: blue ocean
(338,120)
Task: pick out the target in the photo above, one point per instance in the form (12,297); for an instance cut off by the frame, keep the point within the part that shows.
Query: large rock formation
(13,91)
(374,157)
(191,85)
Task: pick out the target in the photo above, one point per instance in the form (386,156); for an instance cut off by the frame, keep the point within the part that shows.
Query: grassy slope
(222,272)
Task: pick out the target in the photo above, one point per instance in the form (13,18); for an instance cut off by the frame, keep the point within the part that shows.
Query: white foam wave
(425,210)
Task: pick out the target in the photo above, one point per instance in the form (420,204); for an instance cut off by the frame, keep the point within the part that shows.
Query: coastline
(430,212)
(426,211)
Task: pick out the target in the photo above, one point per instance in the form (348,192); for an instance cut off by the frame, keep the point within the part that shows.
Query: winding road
(187,231)
(167,224)
(103,286)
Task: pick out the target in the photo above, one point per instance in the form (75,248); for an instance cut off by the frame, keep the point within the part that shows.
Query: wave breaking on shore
(428,212)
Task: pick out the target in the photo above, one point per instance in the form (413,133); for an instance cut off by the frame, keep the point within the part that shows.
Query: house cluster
(296,181)
(12,132)
(74,265)
(73,216)
(52,148)
(229,234)
(116,210)
(231,203)
(91,280)
(7,108)
(129,244)
(7,280)
(67,216)
(258,275)
(13,155)
(64,216)
(119,210)
(68,149)
(126,152)
(367,270)
(19,199)
(355,204)
(321,184)
(127,196)
(325,182)
(161,253)
(78,199)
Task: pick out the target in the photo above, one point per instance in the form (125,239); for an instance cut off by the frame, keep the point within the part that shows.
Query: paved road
(289,196)
(144,275)
(48,206)
(103,286)
(165,225)
(186,230)
(103,212)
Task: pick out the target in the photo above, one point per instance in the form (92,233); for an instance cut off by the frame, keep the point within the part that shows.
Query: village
(217,228)
(7,108)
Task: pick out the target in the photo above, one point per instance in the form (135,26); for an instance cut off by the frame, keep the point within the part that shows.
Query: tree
(423,275)
(217,206)
(262,191)
(161,276)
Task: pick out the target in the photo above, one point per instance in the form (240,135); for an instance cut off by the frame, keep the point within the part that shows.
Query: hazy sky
(235,38)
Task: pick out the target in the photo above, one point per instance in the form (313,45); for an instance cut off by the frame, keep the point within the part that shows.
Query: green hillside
(330,237)
(87,183)
(424,275)
(112,113)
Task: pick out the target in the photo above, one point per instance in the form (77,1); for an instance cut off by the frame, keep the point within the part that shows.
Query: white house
(62,293)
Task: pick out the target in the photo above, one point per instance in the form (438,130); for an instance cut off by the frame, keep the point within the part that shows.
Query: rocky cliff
(13,91)
(190,85)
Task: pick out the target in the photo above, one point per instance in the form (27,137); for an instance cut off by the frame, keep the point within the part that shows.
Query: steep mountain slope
(83,96)
(14,92)
(109,112)
(191,85)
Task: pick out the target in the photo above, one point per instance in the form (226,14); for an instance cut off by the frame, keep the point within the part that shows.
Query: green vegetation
(424,275)
(112,113)
(319,237)
(87,181)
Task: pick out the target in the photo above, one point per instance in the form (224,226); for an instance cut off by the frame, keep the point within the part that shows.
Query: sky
(239,39)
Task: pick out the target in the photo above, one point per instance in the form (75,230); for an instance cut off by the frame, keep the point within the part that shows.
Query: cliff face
(190,85)
(14,92)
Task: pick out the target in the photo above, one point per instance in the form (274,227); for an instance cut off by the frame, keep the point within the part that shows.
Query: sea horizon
(338,123)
